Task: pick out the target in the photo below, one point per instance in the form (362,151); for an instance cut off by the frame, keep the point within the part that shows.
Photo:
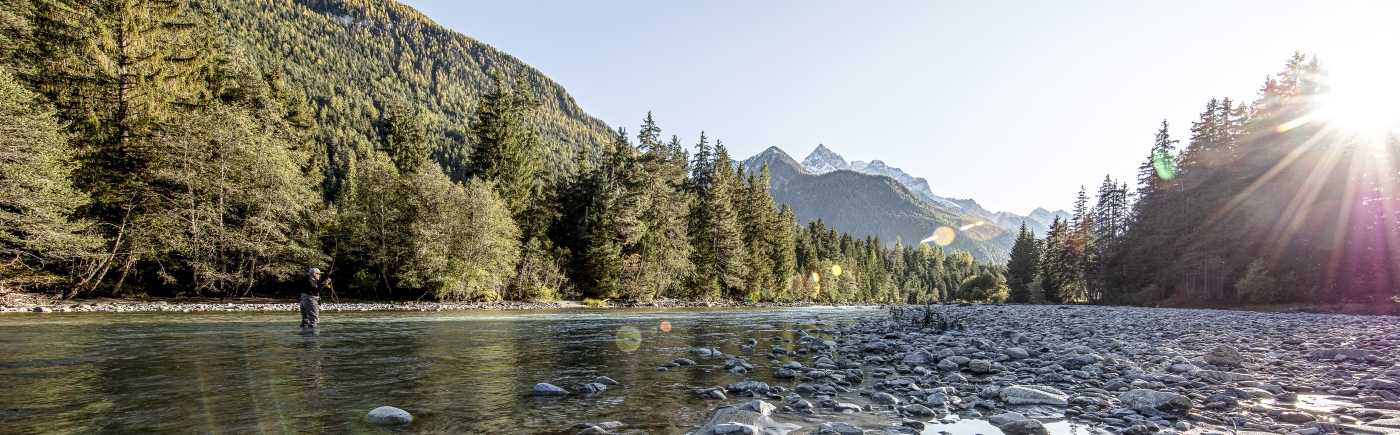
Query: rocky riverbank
(39,304)
(1118,370)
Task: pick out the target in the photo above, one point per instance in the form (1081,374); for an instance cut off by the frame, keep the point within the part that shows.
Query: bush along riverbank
(1119,370)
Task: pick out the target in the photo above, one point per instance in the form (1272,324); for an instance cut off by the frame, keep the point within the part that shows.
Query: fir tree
(506,149)
(1023,266)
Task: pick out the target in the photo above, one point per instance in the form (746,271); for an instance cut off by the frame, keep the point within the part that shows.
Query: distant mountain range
(823,160)
(874,205)
(875,199)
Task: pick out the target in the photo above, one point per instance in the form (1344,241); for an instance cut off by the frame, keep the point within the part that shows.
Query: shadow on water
(454,371)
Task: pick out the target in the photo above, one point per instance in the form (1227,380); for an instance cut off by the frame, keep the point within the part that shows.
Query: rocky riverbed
(1118,370)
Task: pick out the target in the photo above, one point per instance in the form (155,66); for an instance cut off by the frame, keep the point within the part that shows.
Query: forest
(1266,203)
(151,148)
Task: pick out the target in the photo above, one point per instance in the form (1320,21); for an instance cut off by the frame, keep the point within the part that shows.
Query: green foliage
(350,56)
(226,163)
(403,138)
(507,150)
(36,198)
(1024,265)
(1257,287)
(985,287)
(595,303)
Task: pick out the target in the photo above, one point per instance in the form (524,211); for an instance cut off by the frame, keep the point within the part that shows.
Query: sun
(1363,104)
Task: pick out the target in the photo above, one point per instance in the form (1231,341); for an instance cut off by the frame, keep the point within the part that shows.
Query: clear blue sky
(1014,104)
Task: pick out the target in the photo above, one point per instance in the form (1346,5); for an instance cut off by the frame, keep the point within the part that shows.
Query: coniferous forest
(219,148)
(1264,203)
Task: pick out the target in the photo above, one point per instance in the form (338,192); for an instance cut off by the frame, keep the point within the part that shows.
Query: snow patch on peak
(823,160)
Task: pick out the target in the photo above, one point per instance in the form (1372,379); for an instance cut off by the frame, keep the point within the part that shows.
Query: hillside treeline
(146,151)
(1268,202)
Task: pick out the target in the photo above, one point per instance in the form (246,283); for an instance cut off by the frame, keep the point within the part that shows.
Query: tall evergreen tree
(1057,264)
(403,137)
(1023,266)
(506,149)
(37,201)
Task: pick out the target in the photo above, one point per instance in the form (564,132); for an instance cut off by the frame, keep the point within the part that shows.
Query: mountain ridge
(872,205)
(823,160)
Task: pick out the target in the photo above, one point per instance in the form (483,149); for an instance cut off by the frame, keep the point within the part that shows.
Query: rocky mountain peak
(823,160)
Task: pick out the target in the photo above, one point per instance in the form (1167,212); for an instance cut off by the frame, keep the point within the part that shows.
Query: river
(455,371)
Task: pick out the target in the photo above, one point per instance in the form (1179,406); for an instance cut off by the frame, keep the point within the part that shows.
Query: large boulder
(1001,419)
(1224,356)
(1141,399)
(547,389)
(388,415)
(920,358)
(884,399)
(979,366)
(736,429)
(1033,395)
(1024,427)
(1382,384)
(841,428)
(744,415)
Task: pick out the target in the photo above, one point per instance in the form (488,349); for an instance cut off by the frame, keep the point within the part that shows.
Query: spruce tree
(403,137)
(38,231)
(506,150)
(1023,265)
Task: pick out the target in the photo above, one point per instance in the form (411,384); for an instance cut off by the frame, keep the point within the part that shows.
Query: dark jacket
(314,287)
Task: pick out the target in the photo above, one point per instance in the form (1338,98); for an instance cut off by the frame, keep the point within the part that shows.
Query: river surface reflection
(457,372)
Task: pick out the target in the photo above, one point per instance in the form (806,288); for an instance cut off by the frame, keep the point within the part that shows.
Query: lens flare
(665,326)
(943,236)
(836,270)
(628,339)
(816,277)
(1162,163)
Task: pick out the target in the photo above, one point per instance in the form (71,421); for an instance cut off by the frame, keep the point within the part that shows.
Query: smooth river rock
(1024,427)
(1142,399)
(547,389)
(388,415)
(842,428)
(1033,395)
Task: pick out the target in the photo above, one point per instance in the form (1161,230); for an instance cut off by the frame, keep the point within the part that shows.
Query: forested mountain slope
(874,205)
(355,57)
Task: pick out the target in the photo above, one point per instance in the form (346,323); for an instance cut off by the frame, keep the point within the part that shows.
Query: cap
(314,271)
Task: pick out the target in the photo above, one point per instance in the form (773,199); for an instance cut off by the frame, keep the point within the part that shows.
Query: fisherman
(311,299)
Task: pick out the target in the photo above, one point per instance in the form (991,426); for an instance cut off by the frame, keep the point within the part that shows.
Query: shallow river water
(456,372)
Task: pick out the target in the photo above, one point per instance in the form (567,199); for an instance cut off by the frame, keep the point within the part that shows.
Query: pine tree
(506,149)
(119,72)
(37,201)
(1023,266)
(403,137)
(1057,264)
(725,229)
